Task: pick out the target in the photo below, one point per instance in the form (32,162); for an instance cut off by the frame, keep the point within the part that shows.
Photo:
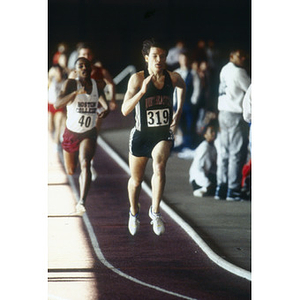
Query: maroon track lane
(172,261)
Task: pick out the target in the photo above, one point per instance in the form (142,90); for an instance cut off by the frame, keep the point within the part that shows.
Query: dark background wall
(118,27)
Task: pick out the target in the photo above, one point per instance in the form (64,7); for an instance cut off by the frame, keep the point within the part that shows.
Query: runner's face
(86,53)
(83,68)
(156,59)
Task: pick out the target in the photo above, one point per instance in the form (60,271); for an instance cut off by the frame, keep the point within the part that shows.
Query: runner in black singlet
(150,94)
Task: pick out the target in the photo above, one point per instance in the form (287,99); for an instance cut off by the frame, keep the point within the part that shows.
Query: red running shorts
(52,110)
(72,140)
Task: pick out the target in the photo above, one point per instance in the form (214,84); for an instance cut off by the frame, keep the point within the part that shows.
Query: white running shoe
(80,208)
(94,173)
(157,222)
(133,223)
(200,192)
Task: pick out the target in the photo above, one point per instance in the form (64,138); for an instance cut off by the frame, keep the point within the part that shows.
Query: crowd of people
(214,126)
(184,103)
(199,66)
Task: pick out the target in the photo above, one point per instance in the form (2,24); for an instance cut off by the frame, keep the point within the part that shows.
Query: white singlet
(82,112)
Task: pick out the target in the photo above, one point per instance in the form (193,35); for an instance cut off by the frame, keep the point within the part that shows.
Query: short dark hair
(242,52)
(214,123)
(81,58)
(147,44)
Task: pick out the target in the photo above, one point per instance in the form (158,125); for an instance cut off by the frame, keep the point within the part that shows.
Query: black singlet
(154,112)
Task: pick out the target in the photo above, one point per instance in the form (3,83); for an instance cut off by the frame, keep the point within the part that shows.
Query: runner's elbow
(124,111)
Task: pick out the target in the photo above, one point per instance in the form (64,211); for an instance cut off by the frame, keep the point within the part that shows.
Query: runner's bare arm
(72,74)
(137,87)
(104,109)
(111,88)
(67,94)
(180,87)
(179,83)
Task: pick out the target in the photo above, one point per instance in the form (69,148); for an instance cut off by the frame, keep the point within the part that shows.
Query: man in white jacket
(247,110)
(234,82)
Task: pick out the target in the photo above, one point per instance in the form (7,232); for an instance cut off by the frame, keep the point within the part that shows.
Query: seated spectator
(204,166)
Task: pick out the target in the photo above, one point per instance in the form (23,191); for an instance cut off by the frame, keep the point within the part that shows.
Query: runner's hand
(145,84)
(81,91)
(102,112)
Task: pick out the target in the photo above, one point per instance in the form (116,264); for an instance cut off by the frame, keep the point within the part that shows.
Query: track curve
(146,266)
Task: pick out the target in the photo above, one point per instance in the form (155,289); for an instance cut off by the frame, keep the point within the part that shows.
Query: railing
(129,70)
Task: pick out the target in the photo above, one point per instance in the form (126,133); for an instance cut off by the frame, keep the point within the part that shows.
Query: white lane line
(184,225)
(103,260)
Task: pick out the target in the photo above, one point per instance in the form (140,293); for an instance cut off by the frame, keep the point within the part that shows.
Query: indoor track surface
(112,264)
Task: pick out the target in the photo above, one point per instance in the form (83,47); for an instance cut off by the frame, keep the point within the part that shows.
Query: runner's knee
(70,170)
(159,168)
(85,163)
(135,182)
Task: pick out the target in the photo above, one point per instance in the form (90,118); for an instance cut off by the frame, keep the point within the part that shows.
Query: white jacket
(196,85)
(234,82)
(205,161)
(247,106)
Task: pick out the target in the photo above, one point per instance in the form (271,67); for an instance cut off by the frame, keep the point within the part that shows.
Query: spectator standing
(212,55)
(73,56)
(60,53)
(187,123)
(234,82)
(213,60)
(200,52)
(247,110)
(247,114)
(173,55)
(203,101)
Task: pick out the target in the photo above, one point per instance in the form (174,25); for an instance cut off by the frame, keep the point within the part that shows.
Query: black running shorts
(141,144)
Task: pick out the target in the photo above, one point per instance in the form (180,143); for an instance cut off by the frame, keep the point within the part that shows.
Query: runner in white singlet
(81,96)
